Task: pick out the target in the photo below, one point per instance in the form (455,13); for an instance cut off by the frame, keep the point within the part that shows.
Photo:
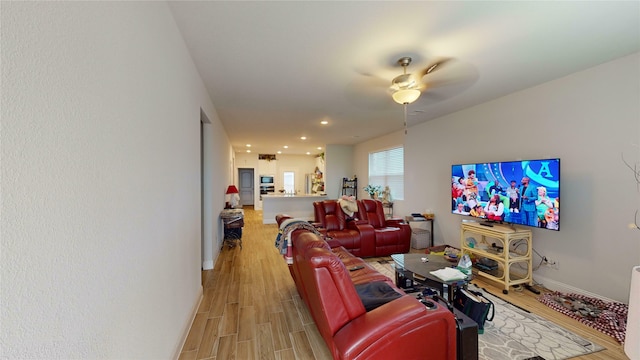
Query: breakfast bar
(297,206)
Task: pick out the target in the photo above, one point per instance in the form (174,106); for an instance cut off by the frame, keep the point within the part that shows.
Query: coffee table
(409,267)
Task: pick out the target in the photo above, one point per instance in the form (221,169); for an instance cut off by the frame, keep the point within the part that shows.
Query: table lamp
(232,197)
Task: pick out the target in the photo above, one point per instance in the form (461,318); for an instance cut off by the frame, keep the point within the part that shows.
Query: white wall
(588,120)
(219,158)
(101,247)
(339,160)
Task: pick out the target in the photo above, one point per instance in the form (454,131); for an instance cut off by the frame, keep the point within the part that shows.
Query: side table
(233,222)
(418,224)
(388,210)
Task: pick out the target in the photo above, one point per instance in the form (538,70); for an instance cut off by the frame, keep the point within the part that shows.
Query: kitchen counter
(298,206)
(294,196)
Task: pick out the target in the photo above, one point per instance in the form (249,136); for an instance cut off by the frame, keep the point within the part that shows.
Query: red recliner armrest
(396,222)
(367,237)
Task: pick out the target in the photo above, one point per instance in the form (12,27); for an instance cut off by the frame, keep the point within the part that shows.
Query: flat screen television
(523,192)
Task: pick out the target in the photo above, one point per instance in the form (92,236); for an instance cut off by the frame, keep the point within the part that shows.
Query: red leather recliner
(392,236)
(355,236)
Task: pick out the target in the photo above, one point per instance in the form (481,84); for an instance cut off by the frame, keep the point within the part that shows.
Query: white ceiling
(274,70)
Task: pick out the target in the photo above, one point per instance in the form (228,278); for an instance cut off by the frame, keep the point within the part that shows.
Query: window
(386,168)
(289,182)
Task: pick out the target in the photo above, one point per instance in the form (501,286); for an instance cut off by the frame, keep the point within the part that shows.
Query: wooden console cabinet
(510,247)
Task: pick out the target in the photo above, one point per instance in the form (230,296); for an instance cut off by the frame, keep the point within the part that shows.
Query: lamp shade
(232,189)
(406,96)
(632,337)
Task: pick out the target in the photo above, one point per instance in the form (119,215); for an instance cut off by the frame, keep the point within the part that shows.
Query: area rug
(604,316)
(515,334)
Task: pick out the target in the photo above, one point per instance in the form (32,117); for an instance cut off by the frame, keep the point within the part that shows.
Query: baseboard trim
(187,327)
(565,288)
(207,265)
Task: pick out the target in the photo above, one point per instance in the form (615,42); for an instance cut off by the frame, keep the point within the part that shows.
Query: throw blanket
(348,205)
(283,240)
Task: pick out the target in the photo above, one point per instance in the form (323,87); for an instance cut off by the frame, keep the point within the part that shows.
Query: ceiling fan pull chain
(405,118)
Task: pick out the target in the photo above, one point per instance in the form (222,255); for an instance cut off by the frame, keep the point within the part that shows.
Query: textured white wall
(100,181)
(588,120)
(339,160)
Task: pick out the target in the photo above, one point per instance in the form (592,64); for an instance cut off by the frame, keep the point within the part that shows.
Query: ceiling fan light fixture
(404,81)
(406,96)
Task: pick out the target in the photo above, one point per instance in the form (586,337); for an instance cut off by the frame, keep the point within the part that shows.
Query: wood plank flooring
(251,309)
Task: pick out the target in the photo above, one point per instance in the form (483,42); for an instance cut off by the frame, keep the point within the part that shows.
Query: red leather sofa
(402,328)
(367,233)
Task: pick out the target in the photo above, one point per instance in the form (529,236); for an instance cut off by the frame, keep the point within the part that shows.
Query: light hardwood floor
(251,309)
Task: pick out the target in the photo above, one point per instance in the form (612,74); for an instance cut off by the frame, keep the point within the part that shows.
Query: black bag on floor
(466,332)
(475,306)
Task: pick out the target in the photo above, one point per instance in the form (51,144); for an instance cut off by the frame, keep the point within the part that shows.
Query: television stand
(486,224)
(488,240)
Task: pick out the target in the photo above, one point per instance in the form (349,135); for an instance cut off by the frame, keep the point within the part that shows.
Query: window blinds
(386,168)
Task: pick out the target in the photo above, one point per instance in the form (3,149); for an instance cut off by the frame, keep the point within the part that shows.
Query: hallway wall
(101,248)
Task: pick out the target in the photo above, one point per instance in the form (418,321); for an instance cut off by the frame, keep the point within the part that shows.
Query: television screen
(518,192)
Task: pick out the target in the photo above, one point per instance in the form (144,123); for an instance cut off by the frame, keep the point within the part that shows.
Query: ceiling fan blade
(369,92)
(433,96)
(371,78)
(433,66)
(455,73)
(449,81)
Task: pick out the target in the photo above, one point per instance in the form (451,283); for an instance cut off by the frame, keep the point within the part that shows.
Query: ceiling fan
(406,88)
(438,80)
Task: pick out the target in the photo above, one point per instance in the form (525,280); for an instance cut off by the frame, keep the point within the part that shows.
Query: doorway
(247,187)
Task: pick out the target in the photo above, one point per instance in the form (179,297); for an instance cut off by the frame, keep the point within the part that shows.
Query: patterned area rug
(515,334)
(607,317)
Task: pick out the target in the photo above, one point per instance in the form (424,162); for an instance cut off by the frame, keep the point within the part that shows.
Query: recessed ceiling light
(279,152)
(303,138)
(324,122)
(319,147)
(286,146)
(308,153)
(248,151)
(248,145)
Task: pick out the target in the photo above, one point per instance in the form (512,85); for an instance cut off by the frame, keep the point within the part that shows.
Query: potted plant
(373,190)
